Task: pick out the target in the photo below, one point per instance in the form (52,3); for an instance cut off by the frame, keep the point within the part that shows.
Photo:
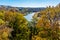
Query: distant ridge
(21,9)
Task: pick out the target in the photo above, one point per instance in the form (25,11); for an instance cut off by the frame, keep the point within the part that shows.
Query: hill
(21,9)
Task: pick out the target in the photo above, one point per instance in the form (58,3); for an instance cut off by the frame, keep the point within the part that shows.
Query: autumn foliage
(44,26)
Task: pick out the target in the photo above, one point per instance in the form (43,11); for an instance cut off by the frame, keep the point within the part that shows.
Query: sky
(29,3)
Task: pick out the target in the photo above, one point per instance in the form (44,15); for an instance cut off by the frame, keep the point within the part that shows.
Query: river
(29,16)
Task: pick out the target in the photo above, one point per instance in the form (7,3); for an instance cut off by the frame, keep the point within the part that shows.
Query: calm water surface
(29,16)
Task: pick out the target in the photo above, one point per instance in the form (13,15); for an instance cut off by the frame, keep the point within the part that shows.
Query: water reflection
(29,16)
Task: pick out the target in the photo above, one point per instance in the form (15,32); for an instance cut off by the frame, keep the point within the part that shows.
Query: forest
(44,26)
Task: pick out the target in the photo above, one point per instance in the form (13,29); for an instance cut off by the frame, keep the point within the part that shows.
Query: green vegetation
(44,26)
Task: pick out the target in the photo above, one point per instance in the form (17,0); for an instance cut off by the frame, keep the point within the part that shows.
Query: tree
(49,22)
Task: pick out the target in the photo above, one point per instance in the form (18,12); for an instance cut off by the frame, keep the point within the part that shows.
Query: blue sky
(29,3)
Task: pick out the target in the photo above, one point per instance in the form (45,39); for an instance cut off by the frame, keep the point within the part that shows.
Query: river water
(29,16)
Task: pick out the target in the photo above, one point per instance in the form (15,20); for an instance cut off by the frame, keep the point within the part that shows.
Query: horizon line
(29,6)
